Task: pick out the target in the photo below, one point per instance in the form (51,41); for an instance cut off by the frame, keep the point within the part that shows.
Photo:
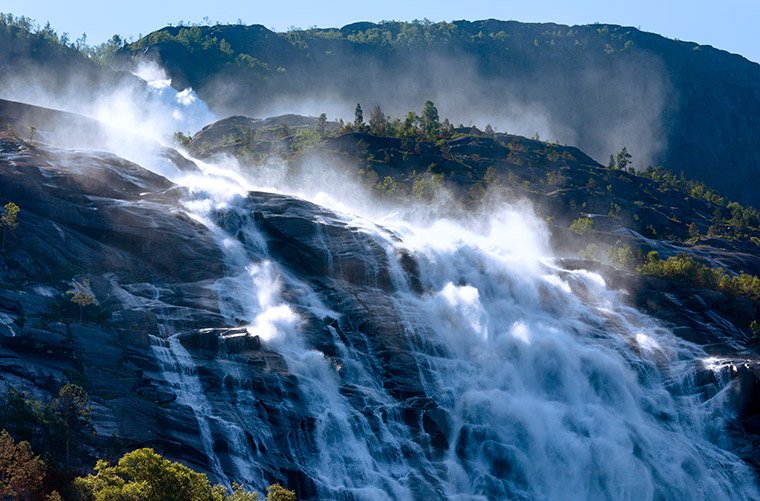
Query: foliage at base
(143,475)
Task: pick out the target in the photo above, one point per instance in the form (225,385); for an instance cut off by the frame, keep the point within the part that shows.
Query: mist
(600,108)
(134,114)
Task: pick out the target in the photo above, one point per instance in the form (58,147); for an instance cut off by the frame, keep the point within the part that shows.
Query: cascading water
(180,372)
(452,361)
(556,390)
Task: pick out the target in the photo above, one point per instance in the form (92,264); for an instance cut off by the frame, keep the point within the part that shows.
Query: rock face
(282,341)
(150,268)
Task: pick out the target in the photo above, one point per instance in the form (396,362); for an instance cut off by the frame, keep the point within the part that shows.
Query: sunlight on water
(539,382)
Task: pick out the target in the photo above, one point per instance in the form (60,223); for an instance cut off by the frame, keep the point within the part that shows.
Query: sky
(729,24)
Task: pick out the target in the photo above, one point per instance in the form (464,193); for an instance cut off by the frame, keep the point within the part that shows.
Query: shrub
(621,256)
(9,219)
(591,252)
(582,226)
(684,268)
(143,475)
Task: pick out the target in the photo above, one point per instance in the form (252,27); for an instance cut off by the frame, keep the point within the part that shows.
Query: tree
(489,130)
(80,43)
(9,220)
(623,159)
(238,493)
(582,225)
(81,296)
(430,122)
(358,117)
(446,128)
(303,140)
(612,163)
(72,406)
(378,123)
(621,256)
(143,475)
(278,493)
(409,127)
(21,472)
(322,125)
(18,414)
(182,139)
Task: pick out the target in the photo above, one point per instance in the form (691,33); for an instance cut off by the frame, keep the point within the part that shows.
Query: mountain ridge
(601,87)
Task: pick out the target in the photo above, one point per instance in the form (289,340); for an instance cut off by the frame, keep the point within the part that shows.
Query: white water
(579,397)
(554,389)
(180,372)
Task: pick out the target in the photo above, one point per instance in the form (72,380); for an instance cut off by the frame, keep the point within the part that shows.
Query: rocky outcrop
(152,270)
(169,364)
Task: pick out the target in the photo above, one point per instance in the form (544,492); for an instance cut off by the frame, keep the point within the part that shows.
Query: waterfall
(179,370)
(490,373)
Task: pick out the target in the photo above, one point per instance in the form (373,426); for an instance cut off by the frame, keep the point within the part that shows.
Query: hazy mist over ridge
(597,87)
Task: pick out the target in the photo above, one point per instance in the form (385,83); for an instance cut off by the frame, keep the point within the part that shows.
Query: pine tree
(358,117)
(430,122)
(623,159)
(322,125)
(378,123)
(72,406)
(612,163)
(410,124)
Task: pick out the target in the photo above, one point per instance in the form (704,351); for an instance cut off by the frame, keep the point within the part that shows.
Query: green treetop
(430,121)
(9,220)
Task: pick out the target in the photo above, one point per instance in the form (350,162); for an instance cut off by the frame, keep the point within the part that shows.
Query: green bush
(143,475)
(684,268)
(591,252)
(621,257)
(582,226)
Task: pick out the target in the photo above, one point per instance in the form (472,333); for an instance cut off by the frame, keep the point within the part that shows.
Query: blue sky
(730,24)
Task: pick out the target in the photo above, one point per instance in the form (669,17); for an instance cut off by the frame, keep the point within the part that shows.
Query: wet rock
(315,242)
(135,337)
(76,214)
(242,343)
(141,320)
(436,423)
(45,336)
(98,345)
(203,339)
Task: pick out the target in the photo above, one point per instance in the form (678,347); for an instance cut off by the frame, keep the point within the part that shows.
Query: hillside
(398,306)
(222,345)
(688,107)
(651,209)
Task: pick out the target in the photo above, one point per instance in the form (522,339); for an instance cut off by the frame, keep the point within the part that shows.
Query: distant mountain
(600,87)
